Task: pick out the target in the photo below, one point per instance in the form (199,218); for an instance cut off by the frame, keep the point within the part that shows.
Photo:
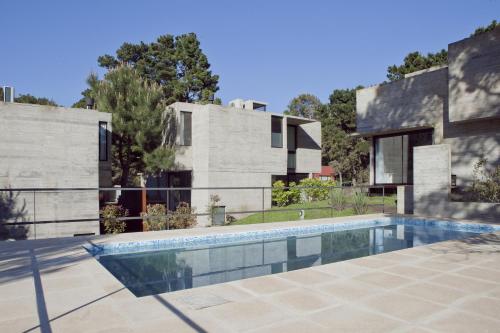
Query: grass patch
(280,214)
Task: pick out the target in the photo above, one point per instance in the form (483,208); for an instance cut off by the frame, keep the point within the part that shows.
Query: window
(276,132)
(291,137)
(394,156)
(186,126)
(103,141)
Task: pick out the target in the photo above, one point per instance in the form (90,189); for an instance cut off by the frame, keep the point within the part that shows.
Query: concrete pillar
(405,199)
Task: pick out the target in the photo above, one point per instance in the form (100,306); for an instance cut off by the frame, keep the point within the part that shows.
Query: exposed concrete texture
(415,102)
(53,147)
(405,199)
(432,168)
(474,77)
(232,148)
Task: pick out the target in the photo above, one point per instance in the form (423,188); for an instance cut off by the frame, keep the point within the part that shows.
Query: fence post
(331,201)
(383,199)
(34,213)
(263,217)
(168,206)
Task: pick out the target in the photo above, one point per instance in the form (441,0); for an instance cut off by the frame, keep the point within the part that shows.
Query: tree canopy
(30,99)
(416,61)
(488,28)
(139,122)
(177,64)
(304,105)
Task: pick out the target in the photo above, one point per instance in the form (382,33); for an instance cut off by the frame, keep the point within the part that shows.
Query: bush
(338,199)
(182,218)
(360,203)
(486,185)
(230,219)
(110,215)
(155,218)
(316,189)
(283,196)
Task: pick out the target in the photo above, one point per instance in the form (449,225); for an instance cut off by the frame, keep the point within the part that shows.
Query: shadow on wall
(412,102)
(305,141)
(12,211)
(438,204)
(474,78)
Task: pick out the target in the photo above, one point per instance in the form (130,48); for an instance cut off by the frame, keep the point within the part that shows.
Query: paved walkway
(454,286)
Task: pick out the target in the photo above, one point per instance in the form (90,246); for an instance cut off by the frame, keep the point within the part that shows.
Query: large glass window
(103,141)
(276,132)
(186,126)
(394,156)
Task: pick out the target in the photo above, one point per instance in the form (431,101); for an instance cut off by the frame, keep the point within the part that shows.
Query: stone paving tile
(483,306)
(265,285)
(433,292)
(246,315)
(461,322)
(20,324)
(403,307)
(293,326)
(342,269)
(480,273)
(301,300)
(383,280)
(348,290)
(412,272)
(307,277)
(463,283)
(372,262)
(347,318)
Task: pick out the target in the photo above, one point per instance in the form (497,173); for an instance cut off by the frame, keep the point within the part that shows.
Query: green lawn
(278,214)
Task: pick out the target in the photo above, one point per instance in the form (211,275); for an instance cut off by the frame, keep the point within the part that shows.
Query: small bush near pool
(110,214)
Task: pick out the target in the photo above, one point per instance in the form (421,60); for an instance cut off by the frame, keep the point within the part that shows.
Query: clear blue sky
(265,50)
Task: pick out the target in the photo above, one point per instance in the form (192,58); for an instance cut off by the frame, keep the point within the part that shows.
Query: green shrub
(338,199)
(182,218)
(316,189)
(283,196)
(155,218)
(110,215)
(360,203)
(230,219)
(486,184)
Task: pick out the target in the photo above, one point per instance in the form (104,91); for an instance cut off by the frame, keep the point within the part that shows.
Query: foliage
(360,203)
(488,28)
(12,210)
(212,204)
(177,64)
(139,122)
(230,219)
(155,218)
(348,155)
(316,189)
(110,215)
(283,196)
(304,105)
(486,183)
(82,102)
(182,218)
(338,199)
(415,61)
(30,99)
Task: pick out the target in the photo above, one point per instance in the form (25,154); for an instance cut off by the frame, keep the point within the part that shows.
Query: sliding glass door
(394,156)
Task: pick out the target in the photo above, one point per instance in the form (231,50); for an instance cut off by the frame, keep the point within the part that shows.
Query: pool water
(160,271)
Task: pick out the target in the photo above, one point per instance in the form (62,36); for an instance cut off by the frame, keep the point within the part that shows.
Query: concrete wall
(414,102)
(232,148)
(432,166)
(474,77)
(53,147)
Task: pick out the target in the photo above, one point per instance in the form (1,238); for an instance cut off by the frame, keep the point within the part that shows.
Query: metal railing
(30,208)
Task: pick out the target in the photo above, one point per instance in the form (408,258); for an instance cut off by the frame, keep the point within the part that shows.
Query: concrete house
(53,147)
(238,146)
(430,128)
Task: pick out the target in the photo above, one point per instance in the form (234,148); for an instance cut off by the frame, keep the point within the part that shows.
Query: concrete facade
(231,147)
(53,147)
(459,103)
(432,99)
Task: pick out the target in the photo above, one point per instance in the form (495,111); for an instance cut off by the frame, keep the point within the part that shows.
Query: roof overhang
(387,131)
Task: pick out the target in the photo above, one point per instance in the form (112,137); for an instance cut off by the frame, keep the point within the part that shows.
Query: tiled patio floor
(55,286)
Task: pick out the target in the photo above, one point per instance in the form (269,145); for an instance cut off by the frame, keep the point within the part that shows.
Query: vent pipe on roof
(8,94)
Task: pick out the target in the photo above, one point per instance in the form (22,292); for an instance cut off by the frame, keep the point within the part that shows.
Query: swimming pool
(158,266)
